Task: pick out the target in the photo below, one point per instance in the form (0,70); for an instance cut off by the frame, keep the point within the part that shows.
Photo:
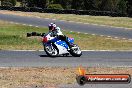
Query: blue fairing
(62,43)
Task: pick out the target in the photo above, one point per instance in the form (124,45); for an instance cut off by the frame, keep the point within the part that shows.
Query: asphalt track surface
(85,28)
(89,59)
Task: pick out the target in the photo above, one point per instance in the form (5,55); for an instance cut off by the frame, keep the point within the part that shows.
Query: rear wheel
(75,51)
(50,50)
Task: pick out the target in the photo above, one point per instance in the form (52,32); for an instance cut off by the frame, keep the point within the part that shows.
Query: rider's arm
(58,31)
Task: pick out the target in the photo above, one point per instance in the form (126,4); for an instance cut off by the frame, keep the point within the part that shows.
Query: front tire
(75,51)
(51,51)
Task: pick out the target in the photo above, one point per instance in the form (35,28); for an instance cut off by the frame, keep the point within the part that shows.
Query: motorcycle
(56,47)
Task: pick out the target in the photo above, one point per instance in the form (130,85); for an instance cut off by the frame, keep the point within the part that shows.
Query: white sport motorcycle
(56,47)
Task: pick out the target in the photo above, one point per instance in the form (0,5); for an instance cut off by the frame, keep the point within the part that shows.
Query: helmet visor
(51,28)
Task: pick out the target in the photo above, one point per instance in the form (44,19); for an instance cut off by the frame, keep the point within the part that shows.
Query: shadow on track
(53,57)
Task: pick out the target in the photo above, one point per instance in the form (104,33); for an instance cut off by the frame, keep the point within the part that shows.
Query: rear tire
(75,51)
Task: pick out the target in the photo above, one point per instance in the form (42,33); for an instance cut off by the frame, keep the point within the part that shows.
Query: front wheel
(50,50)
(75,51)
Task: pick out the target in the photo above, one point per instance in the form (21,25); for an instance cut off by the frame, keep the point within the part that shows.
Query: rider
(56,32)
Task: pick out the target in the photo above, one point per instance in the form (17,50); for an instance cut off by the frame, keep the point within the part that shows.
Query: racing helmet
(52,26)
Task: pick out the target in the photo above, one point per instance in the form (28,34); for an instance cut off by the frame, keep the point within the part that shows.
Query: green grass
(88,41)
(13,36)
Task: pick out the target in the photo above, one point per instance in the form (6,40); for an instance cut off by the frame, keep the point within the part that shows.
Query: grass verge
(49,77)
(13,36)
(101,20)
